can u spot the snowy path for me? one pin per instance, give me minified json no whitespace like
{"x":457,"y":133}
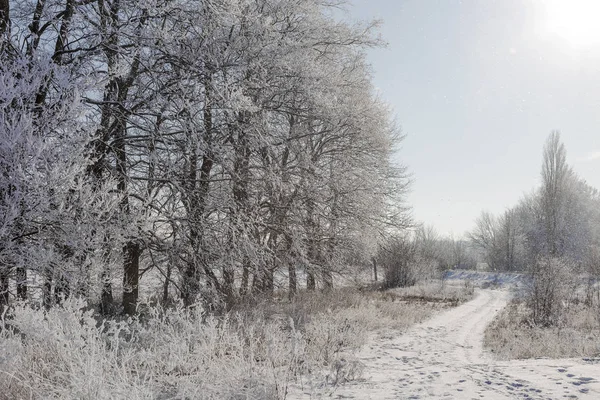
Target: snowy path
{"x":443,"y":358}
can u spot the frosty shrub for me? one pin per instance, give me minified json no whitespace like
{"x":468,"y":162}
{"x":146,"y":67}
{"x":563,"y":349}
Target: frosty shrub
{"x":173,"y":354}
{"x":398,"y":260}
{"x":410,"y":258}
{"x":68,"y":352}
{"x":550,"y":285}
{"x":512,"y":336}
{"x":331,"y":334}
{"x":405,"y":272}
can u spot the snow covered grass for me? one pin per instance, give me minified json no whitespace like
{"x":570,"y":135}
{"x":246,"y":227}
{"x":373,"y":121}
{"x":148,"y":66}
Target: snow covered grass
{"x":67,"y":354}
{"x":555,"y":313}
{"x":254,"y":352}
{"x":513,"y":335}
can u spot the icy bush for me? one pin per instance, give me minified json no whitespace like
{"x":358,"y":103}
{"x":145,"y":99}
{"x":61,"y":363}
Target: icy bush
{"x":330,"y":334}
{"x":512,"y":336}
{"x":66,"y":353}
{"x":173,"y":354}
{"x":551,"y":284}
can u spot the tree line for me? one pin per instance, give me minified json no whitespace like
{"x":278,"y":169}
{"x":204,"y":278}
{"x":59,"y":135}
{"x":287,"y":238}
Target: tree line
{"x":205,"y":146}
{"x":552,"y":233}
{"x":560,"y":219}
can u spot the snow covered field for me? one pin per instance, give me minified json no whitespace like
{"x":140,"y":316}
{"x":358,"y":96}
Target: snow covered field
{"x":443,"y":358}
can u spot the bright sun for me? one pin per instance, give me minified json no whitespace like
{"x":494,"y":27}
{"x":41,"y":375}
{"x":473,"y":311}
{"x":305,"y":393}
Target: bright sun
{"x":575,"y":21}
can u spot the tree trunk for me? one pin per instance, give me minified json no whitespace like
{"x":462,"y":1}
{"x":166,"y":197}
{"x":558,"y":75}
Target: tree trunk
{"x":165,"y":296}
{"x":62,"y":290}
{"x":4,"y":23}
{"x":228,"y":286}
{"x":310,"y":280}
{"x":245,"y":277}
{"x":4,"y":299}
{"x":374,"y":260}
{"x":239,"y":210}
{"x":34,"y":27}
{"x":327,"y":280}
{"x":132,"y":249}
{"x":269,"y":282}
{"x":83,"y":284}
{"x":263,"y":281}
{"x":61,"y":40}
{"x":197,"y":192}
{"x":132,"y":253}
{"x":47,"y":298}
{"x":292,"y":276}
{"x":311,"y":227}
{"x":21,"y":277}
{"x":255,"y":286}
{"x":191,"y":279}
{"x":191,"y":284}
{"x":106,"y":297}
{"x":292,"y":280}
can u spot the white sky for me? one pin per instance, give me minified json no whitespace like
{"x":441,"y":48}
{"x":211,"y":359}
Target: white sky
{"x":477,"y":86}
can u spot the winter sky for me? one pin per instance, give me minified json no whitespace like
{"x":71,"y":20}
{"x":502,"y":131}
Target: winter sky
{"x":477,"y":86}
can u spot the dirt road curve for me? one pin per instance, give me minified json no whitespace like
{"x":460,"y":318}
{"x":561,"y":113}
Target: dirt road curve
{"x":443,"y":358}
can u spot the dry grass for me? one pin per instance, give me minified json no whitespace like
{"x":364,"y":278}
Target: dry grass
{"x":513,"y":335}
{"x":255,"y":352}
{"x":454,"y":293}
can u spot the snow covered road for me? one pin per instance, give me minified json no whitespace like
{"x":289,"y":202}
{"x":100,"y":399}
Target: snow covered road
{"x":443,"y":358}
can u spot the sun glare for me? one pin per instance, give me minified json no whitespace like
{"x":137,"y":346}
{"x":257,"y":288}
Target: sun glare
{"x":575,"y":21}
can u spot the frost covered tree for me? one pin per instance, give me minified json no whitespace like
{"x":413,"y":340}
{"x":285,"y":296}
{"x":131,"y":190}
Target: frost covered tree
{"x":485,"y":238}
{"x":557,"y":178}
{"x":213,"y":146}
{"x":558,"y":219}
{"x":51,"y":215}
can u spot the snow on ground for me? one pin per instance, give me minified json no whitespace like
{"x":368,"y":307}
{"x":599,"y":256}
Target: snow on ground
{"x":443,"y":359}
